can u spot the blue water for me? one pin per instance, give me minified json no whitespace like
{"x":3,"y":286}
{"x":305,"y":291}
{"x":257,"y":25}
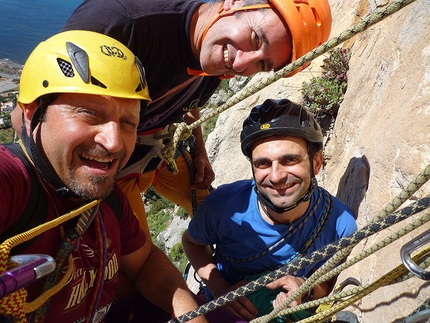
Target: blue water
{"x":25,"y":23}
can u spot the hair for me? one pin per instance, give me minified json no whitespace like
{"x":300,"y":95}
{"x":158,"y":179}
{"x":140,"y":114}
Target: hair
{"x":252,"y":2}
{"x":313,"y":148}
{"x":44,"y":102}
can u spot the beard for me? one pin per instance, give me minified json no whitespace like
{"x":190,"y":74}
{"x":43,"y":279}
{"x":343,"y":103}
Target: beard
{"x":95,"y":187}
{"x":88,"y":186}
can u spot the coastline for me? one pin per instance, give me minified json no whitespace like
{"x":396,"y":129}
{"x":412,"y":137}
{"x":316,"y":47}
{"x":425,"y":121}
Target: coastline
{"x":10,"y":73}
{"x":10,"y":69}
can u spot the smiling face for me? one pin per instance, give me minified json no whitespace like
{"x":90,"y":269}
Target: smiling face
{"x":87,"y":140}
{"x":282,"y":168}
{"x":245,"y":43}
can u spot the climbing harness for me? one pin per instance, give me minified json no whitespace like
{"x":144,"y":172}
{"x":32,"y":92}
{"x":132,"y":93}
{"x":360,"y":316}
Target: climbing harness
{"x":314,"y":234}
{"x":15,"y":303}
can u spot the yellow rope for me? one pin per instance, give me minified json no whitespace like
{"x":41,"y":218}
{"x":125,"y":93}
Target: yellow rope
{"x":15,"y":303}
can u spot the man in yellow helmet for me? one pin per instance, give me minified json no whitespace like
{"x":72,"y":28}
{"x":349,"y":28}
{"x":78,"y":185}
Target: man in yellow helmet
{"x":81,"y":93}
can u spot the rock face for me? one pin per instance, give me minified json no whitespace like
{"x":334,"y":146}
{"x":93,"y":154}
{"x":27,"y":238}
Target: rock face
{"x":380,"y":141}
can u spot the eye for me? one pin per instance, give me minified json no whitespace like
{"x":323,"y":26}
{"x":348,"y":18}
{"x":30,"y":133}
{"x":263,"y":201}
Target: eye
{"x":86,"y":113}
{"x":263,"y":65}
{"x":287,"y":161}
{"x":262,"y":164}
{"x":258,"y":44}
{"x":129,"y":126}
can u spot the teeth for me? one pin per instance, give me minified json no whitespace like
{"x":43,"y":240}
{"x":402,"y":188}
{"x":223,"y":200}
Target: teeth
{"x":226,"y":57}
{"x":97,"y":159}
{"x":283,"y":187}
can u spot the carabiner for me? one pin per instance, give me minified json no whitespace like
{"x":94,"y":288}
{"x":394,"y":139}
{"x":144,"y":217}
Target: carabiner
{"x":405,"y":254}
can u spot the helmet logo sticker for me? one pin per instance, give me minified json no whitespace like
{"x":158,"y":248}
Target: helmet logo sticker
{"x":265,"y":126}
{"x":112,"y":51}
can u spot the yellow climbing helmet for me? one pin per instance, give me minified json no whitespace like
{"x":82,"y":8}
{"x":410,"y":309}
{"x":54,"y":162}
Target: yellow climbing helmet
{"x":85,"y":62}
{"x":309,"y":22}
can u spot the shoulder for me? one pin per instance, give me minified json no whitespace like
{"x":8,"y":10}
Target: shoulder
{"x":242,"y":188}
{"x":12,"y":169}
{"x":343,"y":217}
{"x":15,"y":186}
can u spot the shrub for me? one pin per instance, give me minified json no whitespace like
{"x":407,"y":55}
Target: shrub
{"x":177,"y":256}
{"x":324,"y":94}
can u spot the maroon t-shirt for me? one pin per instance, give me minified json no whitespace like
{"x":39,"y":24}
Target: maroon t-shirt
{"x":123,"y":236}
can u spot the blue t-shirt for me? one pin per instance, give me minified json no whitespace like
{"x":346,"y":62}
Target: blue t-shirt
{"x":246,"y":244}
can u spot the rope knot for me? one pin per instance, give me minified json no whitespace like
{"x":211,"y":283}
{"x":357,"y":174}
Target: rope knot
{"x":177,"y":132}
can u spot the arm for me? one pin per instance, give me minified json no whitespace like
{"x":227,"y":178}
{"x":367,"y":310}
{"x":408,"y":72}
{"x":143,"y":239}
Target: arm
{"x":204,"y":175}
{"x":200,"y":257}
{"x":159,"y":281}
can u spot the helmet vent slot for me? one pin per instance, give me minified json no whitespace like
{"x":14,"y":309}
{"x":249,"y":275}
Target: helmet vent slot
{"x":96,"y":82}
{"x":139,"y":88}
{"x":65,"y":67}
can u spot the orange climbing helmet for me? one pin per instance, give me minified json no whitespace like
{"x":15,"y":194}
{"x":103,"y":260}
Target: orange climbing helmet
{"x":309,"y":22}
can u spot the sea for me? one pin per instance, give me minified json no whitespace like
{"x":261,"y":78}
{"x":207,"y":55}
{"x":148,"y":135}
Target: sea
{"x":25,"y":23}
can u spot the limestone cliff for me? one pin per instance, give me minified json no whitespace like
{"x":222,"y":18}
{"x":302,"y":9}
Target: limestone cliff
{"x":380,"y":142}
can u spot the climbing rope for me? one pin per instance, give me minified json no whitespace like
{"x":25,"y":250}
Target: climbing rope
{"x":418,"y":314}
{"x":339,"y":249}
{"x":181,"y":131}
{"x":318,"y":277}
{"x":15,"y":303}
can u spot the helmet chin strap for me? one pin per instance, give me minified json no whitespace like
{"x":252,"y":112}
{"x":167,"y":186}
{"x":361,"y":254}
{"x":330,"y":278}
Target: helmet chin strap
{"x":267,"y":203}
{"x":42,"y":165}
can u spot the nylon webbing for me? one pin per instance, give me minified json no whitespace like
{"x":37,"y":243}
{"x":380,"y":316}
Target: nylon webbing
{"x":63,"y":254}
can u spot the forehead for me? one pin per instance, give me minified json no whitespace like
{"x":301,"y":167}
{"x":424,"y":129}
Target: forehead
{"x":271,"y":147}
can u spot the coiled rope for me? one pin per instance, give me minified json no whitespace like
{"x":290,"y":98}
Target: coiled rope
{"x":386,"y":218}
{"x":15,"y":303}
{"x":181,"y":131}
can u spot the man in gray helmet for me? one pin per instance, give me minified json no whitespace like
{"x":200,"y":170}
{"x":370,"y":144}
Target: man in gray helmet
{"x":260,"y":224}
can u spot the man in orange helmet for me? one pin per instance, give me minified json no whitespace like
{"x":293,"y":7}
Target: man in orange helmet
{"x":187,"y":47}
{"x":178,"y":42}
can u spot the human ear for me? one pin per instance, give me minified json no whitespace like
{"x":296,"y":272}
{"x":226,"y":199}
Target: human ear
{"x":318,"y":161}
{"x":229,"y":4}
{"x":29,"y":110}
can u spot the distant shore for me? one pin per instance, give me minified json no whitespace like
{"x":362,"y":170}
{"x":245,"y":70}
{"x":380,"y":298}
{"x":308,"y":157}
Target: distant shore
{"x":10,"y":68}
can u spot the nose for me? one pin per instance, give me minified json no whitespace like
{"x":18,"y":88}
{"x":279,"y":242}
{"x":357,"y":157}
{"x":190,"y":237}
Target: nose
{"x":109,"y":136}
{"x":246,"y":63}
{"x":278,"y":172}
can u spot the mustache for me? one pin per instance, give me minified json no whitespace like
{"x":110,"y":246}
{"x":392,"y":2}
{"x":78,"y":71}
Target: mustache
{"x":290,"y":181}
{"x":100,"y":151}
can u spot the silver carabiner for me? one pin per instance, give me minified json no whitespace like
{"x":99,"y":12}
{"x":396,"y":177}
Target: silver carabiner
{"x":405,"y":254}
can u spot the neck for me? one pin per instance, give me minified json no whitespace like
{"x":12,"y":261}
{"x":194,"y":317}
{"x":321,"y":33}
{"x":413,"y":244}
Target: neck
{"x":201,"y":19}
{"x":287,"y":218}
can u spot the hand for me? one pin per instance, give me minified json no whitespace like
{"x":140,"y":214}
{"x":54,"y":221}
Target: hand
{"x":290,"y":284}
{"x":241,"y":306}
{"x":204,"y":174}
